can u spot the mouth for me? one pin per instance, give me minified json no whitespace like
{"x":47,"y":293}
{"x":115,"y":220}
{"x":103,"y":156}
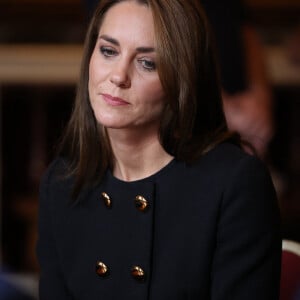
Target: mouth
{"x":114,"y":101}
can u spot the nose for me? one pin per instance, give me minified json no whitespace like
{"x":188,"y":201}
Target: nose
{"x":120,"y":74}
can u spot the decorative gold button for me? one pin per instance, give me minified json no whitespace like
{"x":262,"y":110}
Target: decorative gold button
{"x":141,"y":203}
{"x":106,"y":199}
{"x":138,"y":273}
{"x":101,"y":269}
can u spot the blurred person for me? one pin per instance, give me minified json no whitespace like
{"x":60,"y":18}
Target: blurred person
{"x":293,"y":46}
{"x":151,"y":197}
{"x":247,"y":95}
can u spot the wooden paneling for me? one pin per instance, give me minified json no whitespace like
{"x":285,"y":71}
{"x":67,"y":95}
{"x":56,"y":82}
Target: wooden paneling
{"x":39,"y":64}
{"x":59,"y":64}
{"x":38,"y":2}
{"x":273,"y":3}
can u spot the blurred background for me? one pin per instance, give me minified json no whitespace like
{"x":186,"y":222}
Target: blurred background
{"x":40,"y":52}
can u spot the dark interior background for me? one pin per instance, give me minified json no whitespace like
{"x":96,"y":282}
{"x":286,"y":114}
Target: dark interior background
{"x":33,"y":114}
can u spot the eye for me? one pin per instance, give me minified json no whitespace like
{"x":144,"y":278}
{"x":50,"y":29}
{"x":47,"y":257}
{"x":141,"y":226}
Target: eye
{"x":107,"y":51}
{"x":147,"y":64}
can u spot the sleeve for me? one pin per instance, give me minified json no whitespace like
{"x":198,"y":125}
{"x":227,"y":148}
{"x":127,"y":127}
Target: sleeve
{"x":247,"y":258}
{"x":52,"y":284}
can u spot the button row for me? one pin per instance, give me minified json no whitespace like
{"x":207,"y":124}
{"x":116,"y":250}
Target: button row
{"x":140,"y":202}
{"x":136,"y":272}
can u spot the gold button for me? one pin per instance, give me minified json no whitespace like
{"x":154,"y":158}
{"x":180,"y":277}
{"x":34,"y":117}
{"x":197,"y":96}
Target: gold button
{"x":138,"y":273}
{"x":106,"y":199}
{"x":141,"y":203}
{"x":101,"y":269}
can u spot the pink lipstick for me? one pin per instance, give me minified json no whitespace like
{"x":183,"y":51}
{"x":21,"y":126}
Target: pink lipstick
{"x":114,"y":101}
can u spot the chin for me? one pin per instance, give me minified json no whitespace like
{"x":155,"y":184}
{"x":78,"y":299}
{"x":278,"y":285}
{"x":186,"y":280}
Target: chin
{"x":113,"y":124}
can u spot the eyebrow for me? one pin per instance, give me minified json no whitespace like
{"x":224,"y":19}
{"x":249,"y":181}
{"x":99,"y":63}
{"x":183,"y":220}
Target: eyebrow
{"x":116,"y":43}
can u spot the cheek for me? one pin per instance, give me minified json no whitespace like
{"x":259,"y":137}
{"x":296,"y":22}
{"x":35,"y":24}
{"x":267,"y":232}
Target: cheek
{"x":92,"y":72}
{"x":92,"y":84}
{"x":150,"y":87}
{"x":155,"y":91}
{"x":95,"y":69}
{"x":91,"y":79}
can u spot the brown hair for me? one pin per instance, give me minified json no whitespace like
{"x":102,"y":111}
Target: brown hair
{"x":193,"y":120}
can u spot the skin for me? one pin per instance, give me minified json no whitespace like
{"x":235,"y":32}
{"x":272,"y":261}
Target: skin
{"x":125,"y":90}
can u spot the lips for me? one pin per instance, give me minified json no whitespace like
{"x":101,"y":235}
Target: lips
{"x":114,"y":101}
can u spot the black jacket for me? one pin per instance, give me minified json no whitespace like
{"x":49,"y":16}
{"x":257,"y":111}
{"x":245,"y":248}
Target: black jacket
{"x":210,"y":231}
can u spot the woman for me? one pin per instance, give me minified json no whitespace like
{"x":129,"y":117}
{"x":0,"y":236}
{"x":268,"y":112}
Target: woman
{"x":149,"y":199}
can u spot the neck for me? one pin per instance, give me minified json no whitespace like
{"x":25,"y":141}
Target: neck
{"x":137,"y":156}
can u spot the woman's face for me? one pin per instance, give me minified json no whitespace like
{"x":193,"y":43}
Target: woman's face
{"x":124,"y":87}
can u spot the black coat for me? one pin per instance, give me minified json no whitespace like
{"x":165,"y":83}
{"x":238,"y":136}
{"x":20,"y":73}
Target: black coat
{"x":210,"y":231}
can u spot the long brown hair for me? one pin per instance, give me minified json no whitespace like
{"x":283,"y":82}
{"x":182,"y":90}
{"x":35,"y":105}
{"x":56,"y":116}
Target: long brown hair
{"x":193,"y":120}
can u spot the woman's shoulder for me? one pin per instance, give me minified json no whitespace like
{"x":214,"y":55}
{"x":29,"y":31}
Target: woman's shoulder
{"x":229,"y":164}
{"x":238,"y":171}
{"x":227,"y":156}
{"x":56,"y":176}
{"x":227,"y":151}
{"x":57,"y":167}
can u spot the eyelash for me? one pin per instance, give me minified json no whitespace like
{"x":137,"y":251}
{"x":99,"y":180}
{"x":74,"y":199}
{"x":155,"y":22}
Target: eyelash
{"x":107,"y":51}
{"x":147,"y":65}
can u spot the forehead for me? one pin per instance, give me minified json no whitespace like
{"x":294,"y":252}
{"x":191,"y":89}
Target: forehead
{"x":129,"y":20}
